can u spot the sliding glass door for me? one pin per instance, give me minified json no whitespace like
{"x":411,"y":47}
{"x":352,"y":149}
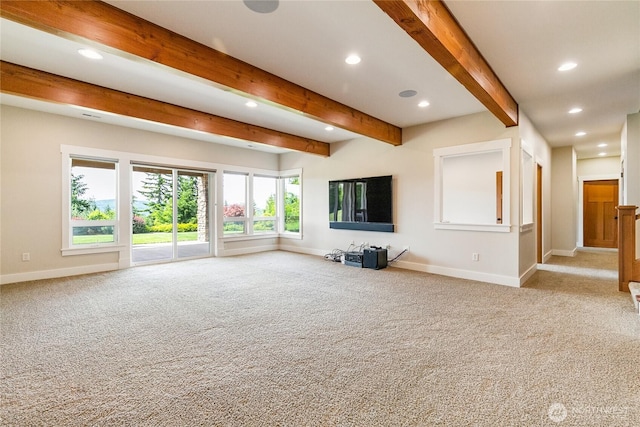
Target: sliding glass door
{"x":170,"y":214}
{"x":193,"y":214}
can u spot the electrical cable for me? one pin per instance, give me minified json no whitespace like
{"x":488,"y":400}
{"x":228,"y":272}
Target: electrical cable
{"x":397,"y":256}
{"x":335,"y":255}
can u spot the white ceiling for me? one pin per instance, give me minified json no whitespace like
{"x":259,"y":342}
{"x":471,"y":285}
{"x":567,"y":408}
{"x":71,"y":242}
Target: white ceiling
{"x":306,"y":41}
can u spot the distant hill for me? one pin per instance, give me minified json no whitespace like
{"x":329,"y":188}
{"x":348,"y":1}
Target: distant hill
{"x":139,"y":205}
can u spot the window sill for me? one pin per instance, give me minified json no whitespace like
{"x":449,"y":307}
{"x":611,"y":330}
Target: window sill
{"x":496,"y":228}
{"x":526,"y":227}
{"x":261,"y":236}
{"x":250,"y":237}
{"x":294,"y":236}
{"x":91,"y":249}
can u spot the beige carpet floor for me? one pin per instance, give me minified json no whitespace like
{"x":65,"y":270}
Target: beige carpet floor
{"x":282,"y":339}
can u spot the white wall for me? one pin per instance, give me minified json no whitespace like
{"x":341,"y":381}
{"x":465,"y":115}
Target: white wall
{"x":542,"y":157}
{"x":630,"y":140}
{"x":631,"y":150}
{"x":412,"y":167}
{"x":599,"y":166}
{"x":31,"y":178}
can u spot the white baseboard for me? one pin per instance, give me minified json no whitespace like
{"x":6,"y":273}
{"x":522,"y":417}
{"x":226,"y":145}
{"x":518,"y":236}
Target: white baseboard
{"x":443,"y":271}
{"x":461,"y":274}
{"x":249,"y":250}
{"x":594,"y":249}
{"x":306,"y":251}
{"x":546,"y":256}
{"x":562,"y":252}
{"x":527,"y":274}
{"x":53,"y":274}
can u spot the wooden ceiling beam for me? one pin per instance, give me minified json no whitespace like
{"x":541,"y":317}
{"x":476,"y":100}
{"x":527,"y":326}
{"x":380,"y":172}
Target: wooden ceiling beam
{"x":109,"y":26}
{"x":27,"y":82}
{"x":436,"y":30}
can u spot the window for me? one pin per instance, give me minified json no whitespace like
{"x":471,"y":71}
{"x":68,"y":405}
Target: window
{"x":264,"y":204}
{"x":259,"y":204}
{"x":235,"y":202}
{"x":93,"y":203}
{"x":292,"y":192}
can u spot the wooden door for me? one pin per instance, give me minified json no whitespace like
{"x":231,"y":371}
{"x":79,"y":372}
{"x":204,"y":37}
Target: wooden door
{"x":600,"y":227}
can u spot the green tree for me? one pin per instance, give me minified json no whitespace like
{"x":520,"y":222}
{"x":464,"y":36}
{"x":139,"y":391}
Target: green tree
{"x":80,"y":207}
{"x":187,"y":199}
{"x":157,"y":188}
{"x":270,"y":208}
{"x":292,"y":212}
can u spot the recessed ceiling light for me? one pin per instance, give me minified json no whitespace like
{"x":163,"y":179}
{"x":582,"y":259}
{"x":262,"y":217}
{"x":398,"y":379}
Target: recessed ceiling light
{"x":88,"y":53}
{"x":251,"y":104}
{"x":567,"y":66}
{"x":352,"y":59}
{"x":262,"y":6}
{"x":575,"y":110}
{"x":423,"y":104}
{"x":407,"y":93}
{"x":329,"y":128}
{"x":602,"y":144}
{"x":602,"y":154}
{"x":581,"y":133}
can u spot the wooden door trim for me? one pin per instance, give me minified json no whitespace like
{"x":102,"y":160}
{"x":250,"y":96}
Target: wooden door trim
{"x":539,"y":247}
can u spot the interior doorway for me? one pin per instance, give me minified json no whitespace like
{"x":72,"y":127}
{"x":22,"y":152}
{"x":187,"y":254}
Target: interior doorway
{"x":600,"y":198}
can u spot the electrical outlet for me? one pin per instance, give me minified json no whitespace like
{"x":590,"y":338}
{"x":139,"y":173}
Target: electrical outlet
{"x":26,"y":256}
{"x":475,"y":256}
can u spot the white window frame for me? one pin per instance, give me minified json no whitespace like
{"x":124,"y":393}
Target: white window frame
{"x":248,"y":212}
{"x":68,"y":153}
{"x":284,"y":175}
{"x":122,"y":229}
{"x":249,"y":218}
{"x":440,"y":154}
{"x":278,"y":201}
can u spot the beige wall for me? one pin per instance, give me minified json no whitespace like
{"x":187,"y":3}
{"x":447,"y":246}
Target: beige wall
{"x":599,"y":166}
{"x":412,"y":167}
{"x":31,"y":178}
{"x":31,"y":193}
{"x":564,"y":201}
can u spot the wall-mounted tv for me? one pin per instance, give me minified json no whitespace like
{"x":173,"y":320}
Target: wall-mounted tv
{"x":361,"y":204}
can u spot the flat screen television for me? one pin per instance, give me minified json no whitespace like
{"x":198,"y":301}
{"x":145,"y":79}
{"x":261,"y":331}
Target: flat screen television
{"x":361,"y":204}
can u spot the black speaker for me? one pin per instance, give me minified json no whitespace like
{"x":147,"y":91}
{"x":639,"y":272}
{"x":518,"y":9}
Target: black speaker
{"x":374,"y":258}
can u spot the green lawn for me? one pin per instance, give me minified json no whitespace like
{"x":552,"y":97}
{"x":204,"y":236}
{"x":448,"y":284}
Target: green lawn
{"x":146,"y":238}
{"x":138,"y":239}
